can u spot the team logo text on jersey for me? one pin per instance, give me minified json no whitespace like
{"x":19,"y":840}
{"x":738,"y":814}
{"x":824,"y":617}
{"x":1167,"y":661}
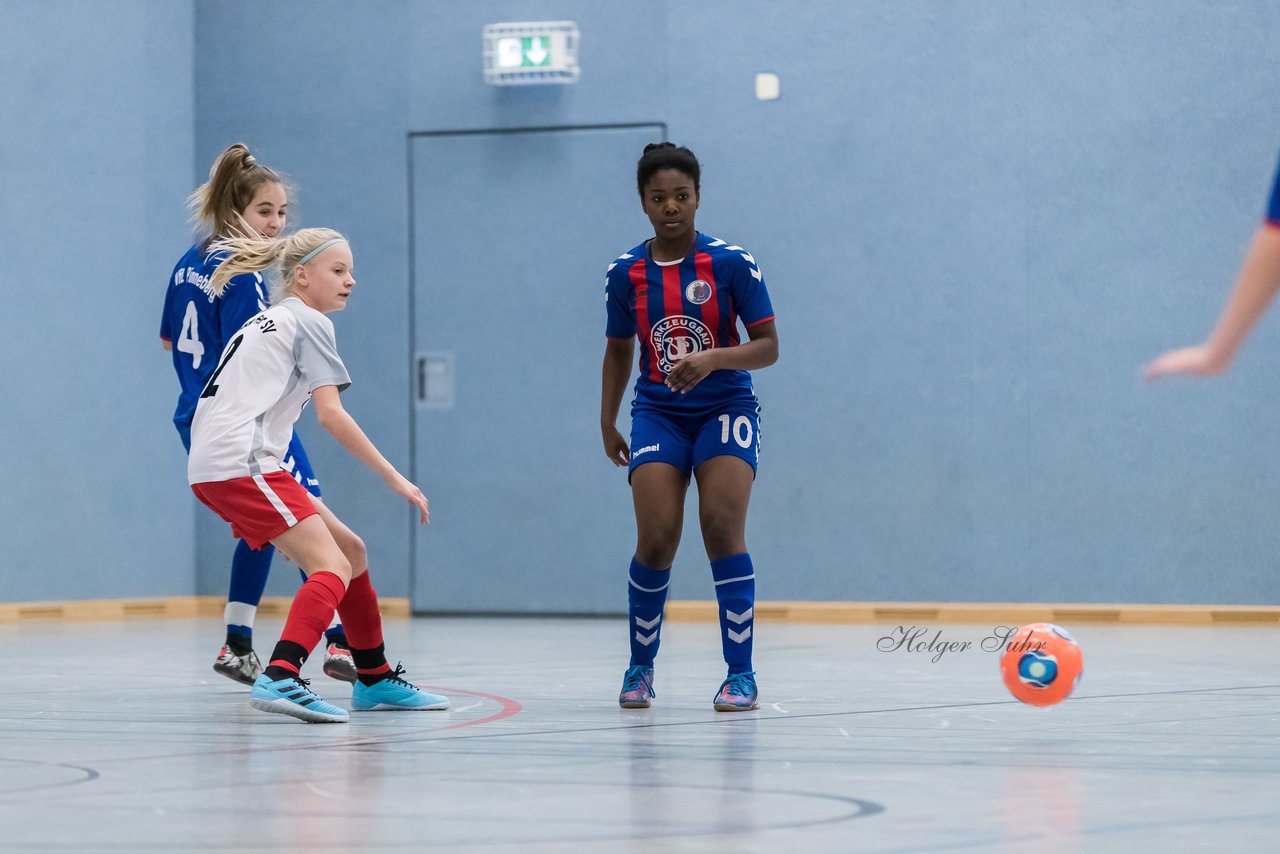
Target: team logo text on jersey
{"x":698,"y":292}
{"x":193,"y":277}
{"x":678,"y":336}
{"x":265,"y":324}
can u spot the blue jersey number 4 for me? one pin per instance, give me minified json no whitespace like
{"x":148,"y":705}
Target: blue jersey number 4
{"x":189,"y":336}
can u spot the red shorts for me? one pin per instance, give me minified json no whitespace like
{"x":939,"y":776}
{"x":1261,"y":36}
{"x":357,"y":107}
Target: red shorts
{"x":259,"y":508}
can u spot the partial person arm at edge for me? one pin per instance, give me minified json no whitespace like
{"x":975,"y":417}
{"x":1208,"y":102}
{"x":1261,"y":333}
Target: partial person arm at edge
{"x":339,"y":423}
{"x":1255,"y":288}
{"x":616,"y":371}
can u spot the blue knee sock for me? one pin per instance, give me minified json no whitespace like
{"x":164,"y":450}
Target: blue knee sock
{"x":249,"y":569}
{"x":646,"y":596}
{"x":735,"y":580}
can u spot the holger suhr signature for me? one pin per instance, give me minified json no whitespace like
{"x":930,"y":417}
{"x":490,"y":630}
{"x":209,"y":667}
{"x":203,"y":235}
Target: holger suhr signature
{"x":917,"y":639}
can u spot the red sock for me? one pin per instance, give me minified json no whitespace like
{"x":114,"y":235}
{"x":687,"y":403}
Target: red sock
{"x":309,"y":615}
{"x":363,"y":625}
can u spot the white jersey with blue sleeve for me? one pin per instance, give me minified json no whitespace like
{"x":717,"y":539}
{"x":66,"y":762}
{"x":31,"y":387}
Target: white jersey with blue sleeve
{"x":197,"y":324}
{"x":245,"y":415}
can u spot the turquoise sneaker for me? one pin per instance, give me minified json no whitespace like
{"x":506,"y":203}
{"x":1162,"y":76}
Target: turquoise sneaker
{"x":394,"y":693}
{"x":737,"y":693}
{"x":637,"y":687}
{"x":292,"y":697}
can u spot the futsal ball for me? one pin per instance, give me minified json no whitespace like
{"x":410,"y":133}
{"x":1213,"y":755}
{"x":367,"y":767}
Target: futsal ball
{"x":1041,"y":664}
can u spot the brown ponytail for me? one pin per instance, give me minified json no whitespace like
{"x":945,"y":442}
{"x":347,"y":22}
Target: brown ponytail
{"x":234,"y":178}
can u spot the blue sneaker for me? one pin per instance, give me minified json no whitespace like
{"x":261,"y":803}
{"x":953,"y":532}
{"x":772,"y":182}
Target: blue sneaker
{"x":737,"y":693}
{"x":394,"y":693}
{"x":292,"y":697}
{"x":637,"y":687}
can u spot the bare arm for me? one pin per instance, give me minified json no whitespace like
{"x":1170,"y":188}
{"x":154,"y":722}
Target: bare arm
{"x":1256,"y":286}
{"x":167,"y":345}
{"x":613,"y":385}
{"x":760,"y":352}
{"x":343,"y":427}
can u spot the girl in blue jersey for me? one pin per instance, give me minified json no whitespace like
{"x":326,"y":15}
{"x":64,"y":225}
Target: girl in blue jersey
{"x":1255,"y":288}
{"x":241,"y":197}
{"x":681,"y":295}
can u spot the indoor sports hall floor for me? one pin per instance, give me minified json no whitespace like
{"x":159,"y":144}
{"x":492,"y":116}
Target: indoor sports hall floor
{"x":118,"y":736}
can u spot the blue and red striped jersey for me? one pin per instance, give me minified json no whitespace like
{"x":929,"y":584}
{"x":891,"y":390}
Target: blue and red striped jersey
{"x":684,"y":307}
{"x":1273,"y":205}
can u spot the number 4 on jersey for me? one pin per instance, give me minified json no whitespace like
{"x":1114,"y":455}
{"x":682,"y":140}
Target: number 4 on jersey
{"x":189,"y":336}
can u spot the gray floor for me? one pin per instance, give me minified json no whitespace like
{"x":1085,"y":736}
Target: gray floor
{"x":118,"y":736}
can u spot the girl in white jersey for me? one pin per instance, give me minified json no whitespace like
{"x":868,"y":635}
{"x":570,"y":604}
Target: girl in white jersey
{"x":242,"y":196}
{"x":283,"y":357}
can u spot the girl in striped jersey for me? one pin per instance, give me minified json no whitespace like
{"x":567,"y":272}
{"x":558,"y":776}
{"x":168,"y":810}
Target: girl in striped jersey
{"x":279,"y":360}
{"x":681,"y":294}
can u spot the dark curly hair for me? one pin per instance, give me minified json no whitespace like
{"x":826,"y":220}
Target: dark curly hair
{"x":667,"y":155}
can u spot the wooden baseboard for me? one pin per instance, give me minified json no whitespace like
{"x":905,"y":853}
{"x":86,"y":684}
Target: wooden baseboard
{"x":167,"y":607}
{"x":992,"y":613}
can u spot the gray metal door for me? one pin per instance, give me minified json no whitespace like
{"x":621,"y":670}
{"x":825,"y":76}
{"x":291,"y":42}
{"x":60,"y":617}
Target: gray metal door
{"x":512,"y":232}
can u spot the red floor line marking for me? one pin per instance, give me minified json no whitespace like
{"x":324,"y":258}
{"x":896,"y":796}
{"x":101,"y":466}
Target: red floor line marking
{"x":509,"y":707}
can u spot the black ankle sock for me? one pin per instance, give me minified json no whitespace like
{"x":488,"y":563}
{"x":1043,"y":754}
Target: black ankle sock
{"x":239,"y":644}
{"x":371,"y":665}
{"x":368,"y":660}
{"x":286,"y":652}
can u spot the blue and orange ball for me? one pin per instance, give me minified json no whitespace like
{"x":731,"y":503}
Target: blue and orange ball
{"x":1041,"y":664}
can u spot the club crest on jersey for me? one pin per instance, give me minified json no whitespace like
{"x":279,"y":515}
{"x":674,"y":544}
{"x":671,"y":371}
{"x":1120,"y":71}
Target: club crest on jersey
{"x":698,"y":292}
{"x":678,"y":336}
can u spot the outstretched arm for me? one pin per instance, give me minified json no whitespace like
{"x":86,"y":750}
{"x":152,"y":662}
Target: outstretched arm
{"x":1255,"y":287}
{"x":343,"y":427}
{"x":613,"y":385}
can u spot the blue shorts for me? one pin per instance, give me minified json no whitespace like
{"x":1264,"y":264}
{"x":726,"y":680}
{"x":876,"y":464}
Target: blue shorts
{"x":295,"y":460}
{"x":686,"y":441}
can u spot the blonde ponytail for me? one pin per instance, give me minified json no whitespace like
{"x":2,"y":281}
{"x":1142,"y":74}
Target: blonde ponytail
{"x":253,"y":255}
{"x":244,"y":255}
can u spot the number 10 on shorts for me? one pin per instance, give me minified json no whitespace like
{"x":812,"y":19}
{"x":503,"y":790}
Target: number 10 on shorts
{"x":740,"y":430}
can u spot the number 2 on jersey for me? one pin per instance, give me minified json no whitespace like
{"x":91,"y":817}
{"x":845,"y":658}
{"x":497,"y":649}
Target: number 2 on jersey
{"x":211,"y":387}
{"x":741,"y":431}
{"x":189,"y":336}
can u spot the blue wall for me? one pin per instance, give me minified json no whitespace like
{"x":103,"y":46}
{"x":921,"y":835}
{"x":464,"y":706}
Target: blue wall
{"x":977,"y":221}
{"x":96,"y":143}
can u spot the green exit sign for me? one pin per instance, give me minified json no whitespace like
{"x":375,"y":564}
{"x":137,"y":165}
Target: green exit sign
{"x":531,"y":52}
{"x":524,"y":52}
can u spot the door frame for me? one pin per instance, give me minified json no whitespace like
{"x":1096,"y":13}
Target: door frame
{"x":412,"y":354}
